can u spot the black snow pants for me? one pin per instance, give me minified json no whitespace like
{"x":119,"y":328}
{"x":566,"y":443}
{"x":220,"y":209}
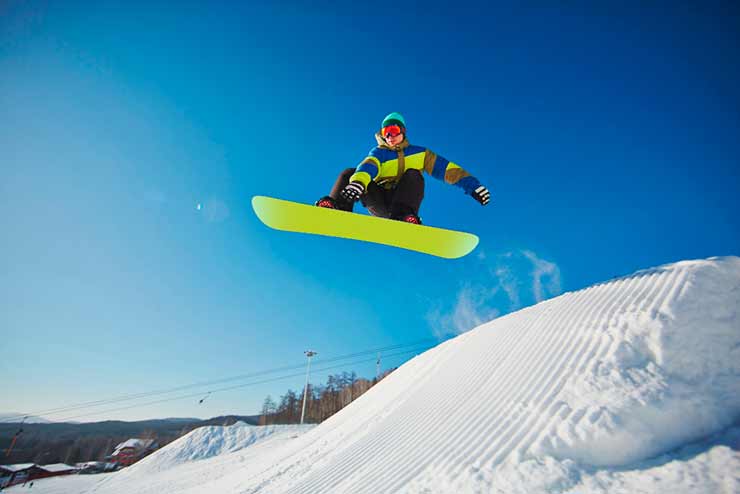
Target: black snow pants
{"x":403,"y":198}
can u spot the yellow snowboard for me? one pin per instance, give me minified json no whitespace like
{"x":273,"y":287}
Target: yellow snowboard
{"x":302,"y":218}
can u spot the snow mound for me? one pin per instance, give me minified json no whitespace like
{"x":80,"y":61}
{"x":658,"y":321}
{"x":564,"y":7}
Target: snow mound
{"x":203,"y":457}
{"x":203,"y":443}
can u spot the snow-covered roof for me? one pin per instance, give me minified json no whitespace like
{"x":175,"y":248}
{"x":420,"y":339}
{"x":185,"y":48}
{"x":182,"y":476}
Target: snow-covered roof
{"x":137,"y":444}
{"x":57,"y":467}
{"x":18,"y":467}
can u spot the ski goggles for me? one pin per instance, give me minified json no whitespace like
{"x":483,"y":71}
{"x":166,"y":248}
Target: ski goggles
{"x":391,"y":131}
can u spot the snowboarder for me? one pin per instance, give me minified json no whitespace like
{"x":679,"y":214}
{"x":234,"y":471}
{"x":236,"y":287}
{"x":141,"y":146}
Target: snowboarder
{"x":389,"y":181}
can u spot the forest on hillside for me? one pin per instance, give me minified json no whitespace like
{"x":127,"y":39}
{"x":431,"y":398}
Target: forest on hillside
{"x":322,"y":401}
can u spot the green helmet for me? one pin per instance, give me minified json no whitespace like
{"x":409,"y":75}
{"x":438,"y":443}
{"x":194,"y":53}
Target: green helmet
{"x":394,"y":118}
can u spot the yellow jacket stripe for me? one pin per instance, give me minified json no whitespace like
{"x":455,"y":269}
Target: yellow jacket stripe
{"x":385,"y":166}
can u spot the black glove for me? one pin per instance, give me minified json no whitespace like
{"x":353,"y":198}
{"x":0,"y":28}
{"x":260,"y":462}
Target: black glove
{"x":482,"y":195}
{"x":353,"y":191}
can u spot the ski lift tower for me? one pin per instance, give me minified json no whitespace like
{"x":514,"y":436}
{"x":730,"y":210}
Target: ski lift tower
{"x":309,"y":354}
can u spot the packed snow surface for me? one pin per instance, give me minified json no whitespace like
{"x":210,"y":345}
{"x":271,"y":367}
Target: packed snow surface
{"x":631,"y":385}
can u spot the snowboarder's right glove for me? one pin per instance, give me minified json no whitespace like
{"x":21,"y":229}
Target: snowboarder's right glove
{"x":482,"y":195}
{"x":353,"y":192}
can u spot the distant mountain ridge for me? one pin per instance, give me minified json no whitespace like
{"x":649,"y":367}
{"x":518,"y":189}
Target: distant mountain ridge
{"x":16,"y":418}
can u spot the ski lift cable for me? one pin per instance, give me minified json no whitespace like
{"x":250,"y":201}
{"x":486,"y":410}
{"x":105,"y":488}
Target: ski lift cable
{"x":79,"y":406}
{"x":136,"y":396}
{"x":231,"y":388}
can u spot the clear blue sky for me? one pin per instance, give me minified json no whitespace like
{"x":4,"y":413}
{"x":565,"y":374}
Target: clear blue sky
{"x":608,"y":135}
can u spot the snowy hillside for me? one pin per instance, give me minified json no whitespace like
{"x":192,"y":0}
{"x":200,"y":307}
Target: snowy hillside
{"x":632,"y":385}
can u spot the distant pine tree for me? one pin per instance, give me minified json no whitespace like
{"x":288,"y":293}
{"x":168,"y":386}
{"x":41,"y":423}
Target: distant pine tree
{"x":269,"y":408}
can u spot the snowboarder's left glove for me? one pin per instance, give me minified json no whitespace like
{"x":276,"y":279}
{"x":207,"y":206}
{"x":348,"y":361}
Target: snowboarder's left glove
{"x":482,"y":195}
{"x":353,"y":192}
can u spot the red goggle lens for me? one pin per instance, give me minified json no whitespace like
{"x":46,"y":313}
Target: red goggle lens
{"x":391,"y":131}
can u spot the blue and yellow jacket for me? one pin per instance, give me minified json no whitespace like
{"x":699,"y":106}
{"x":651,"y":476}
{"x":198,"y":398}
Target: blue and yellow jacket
{"x":385,"y":166}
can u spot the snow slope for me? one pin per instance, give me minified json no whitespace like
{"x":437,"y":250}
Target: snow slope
{"x":632,"y":385}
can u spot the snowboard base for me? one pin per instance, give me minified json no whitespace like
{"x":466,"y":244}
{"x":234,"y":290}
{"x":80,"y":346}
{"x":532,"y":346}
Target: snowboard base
{"x":303,"y":218}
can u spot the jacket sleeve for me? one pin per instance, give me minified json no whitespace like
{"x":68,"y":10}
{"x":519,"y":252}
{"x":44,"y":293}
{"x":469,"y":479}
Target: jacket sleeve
{"x":451,"y":173}
{"x":368,"y":169}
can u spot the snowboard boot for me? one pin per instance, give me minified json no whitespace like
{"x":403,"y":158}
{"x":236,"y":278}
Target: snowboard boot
{"x":327,"y":202}
{"x":330,"y":203}
{"x":409,"y":218}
